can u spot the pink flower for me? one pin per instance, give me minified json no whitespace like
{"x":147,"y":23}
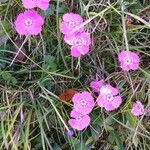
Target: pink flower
{"x":70,"y":22}
{"x":96,"y":85}
{"x":80,"y":43}
{"x":42,"y":4}
{"x":83,"y":102}
{"x":109,"y":98}
{"x":137,"y":109}
{"x":128,"y":60}
{"x":79,"y":121}
{"x":29,"y":22}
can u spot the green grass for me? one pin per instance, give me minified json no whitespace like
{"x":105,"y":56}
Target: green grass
{"x":31,"y":114}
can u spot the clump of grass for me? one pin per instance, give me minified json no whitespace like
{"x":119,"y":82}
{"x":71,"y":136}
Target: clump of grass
{"x":31,"y":114}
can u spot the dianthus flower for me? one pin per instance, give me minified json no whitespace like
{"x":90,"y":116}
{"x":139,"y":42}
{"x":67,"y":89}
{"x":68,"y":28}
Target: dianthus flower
{"x":96,"y":85}
{"x":83,"y":102}
{"x":137,"y":109}
{"x":29,"y":22}
{"x":78,"y":121}
{"x":80,"y":43}
{"x":42,"y":4}
{"x":109,"y":98}
{"x":69,"y":22}
{"x":128,"y":60}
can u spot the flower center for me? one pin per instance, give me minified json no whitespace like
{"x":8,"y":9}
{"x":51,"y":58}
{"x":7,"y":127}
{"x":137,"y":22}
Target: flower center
{"x":139,"y":108}
{"x":83,"y":102}
{"x":79,"y":42}
{"x":128,"y":60}
{"x":28,"y":22}
{"x":72,"y":24}
{"x":79,"y":119}
{"x":109,"y":98}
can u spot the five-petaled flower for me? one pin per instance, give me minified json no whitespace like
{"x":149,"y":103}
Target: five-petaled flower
{"x":137,"y":109}
{"x":109,"y":98}
{"x":42,"y":4}
{"x":29,"y":23}
{"x":83,"y":102}
{"x":70,"y":21}
{"x":79,"y":42}
{"x":78,"y":121}
{"x":128,"y":60}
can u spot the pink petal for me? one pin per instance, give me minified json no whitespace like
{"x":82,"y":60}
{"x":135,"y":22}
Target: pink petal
{"x":86,"y":37}
{"x":43,"y":5}
{"x":83,"y":49}
{"x":35,"y":30}
{"x":64,"y":28}
{"x":69,"y":38}
{"x":75,"y":114}
{"x":21,"y":29}
{"x":28,"y":4}
{"x":108,"y":89}
{"x":114,"y":91}
{"x":124,"y":67}
{"x":96,"y":85}
{"x":134,"y":66}
{"x":76,"y":97}
{"x":85,"y":122}
{"x":72,"y":17}
{"x":39,"y":20}
{"x":117,"y":101}
{"x":101,"y":100}
{"x":46,"y":1}
{"x":109,"y":107}
{"x":135,"y":57}
{"x":122,"y":55}
{"x":75,"y":52}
